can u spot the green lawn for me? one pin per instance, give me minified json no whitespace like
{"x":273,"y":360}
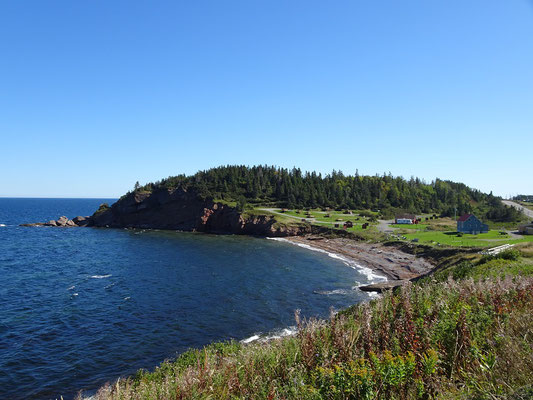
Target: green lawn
{"x":450,"y":238}
{"x":335,"y":217}
{"x":411,"y":226}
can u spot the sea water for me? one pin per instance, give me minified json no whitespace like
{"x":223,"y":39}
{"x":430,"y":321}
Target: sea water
{"x":83,"y":306}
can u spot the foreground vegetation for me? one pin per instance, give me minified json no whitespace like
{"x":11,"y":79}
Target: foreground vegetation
{"x":465,"y":332}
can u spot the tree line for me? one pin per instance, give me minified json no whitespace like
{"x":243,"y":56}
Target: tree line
{"x":292,"y":188}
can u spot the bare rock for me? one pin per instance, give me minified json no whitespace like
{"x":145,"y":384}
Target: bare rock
{"x":62,"y":221}
{"x":382,"y":286}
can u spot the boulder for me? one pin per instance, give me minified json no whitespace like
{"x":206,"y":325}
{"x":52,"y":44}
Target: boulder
{"x":80,"y":221}
{"x":51,"y":223}
{"x":70,"y":223}
{"x":62,"y":221}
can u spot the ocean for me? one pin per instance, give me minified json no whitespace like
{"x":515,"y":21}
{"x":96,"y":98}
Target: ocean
{"x":80,"y":307}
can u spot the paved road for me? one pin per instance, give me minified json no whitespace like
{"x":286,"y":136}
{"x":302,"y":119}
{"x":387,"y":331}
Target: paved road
{"x":525,"y":210}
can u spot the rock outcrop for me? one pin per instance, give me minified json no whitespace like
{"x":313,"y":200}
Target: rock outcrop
{"x":62,"y":222}
{"x":180,"y":210}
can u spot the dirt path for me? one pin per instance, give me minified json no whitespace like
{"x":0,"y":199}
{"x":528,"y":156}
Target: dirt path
{"x":384,"y":227}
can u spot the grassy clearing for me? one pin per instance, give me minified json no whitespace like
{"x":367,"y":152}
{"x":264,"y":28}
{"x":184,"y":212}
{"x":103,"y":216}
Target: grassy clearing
{"x":412,"y":226}
{"x":489,"y":239}
{"x":330,"y":218}
{"x":517,"y":261}
{"x":449,"y":340}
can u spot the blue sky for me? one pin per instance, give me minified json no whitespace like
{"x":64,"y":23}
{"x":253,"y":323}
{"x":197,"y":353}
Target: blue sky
{"x":97,"y":95}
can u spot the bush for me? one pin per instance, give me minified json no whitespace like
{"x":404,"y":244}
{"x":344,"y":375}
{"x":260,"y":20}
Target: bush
{"x":511,"y":254}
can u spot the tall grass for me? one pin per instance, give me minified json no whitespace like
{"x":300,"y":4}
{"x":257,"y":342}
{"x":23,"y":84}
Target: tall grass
{"x":468,"y":339}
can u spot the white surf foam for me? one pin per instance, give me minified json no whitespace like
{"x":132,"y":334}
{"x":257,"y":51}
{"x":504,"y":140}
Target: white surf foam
{"x":2,"y":225}
{"x":250,"y":339}
{"x":331,"y":292}
{"x":72,"y":287}
{"x":371,"y":275}
{"x":100,"y":276}
{"x":277,"y":334}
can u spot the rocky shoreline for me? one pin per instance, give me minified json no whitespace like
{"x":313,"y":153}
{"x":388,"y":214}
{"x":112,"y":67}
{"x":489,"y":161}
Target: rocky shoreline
{"x":180,"y":210}
{"x":63,"y":222}
{"x":398,"y":267}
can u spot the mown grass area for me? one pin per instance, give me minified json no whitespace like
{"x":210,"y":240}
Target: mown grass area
{"x":452,"y":238}
{"x":410,"y":226}
{"x":450,"y":340}
{"x":330,"y":218}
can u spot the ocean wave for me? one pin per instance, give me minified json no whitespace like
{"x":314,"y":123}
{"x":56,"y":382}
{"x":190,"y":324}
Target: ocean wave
{"x":100,"y":276}
{"x":371,"y":275}
{"x":276,"y":334}
{"x":2,"y":225}
{"x":72,"y":287}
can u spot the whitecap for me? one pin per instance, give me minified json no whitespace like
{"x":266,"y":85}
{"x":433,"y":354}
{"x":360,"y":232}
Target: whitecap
{"x":127,"y":298}
{"x":100,"y":276}
{"x":72,"y":287}
{"x":2,"y":225}
{"x":74,"y":294}
{"x":109,"y":286}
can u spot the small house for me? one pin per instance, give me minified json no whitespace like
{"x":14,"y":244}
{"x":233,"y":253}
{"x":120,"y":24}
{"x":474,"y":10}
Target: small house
{"x":348,"y":224}
{"x":469,"y":223}
{"x":405,"y":219}
{"x":526,"y":229}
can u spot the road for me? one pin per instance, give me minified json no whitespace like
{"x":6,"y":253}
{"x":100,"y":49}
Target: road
{"x":524,"y":210}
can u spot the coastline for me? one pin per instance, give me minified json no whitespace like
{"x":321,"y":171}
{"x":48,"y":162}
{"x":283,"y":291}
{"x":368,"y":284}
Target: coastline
{"x":387,"y":267}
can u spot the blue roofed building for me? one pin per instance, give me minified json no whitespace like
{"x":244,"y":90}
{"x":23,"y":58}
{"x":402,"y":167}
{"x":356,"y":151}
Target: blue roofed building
{"x":469,"y":223}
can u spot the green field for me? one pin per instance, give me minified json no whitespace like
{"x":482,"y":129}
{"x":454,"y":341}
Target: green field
{"x":412,"y":226}
{"x":450,"y":238}
{"x":330,"y":218}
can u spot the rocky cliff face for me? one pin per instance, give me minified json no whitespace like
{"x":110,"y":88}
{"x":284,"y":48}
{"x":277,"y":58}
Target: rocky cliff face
{"x":181,"y":210}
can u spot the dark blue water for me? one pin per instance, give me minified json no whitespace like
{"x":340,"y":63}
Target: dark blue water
{"x":83,"y":306}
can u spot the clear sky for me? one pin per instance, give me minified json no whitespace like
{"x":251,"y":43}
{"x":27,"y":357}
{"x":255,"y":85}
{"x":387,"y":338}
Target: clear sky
{"x":95,"y":95}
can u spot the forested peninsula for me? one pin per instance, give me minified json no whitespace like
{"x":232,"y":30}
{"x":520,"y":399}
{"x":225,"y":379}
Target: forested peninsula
{"x":243,"y":200}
